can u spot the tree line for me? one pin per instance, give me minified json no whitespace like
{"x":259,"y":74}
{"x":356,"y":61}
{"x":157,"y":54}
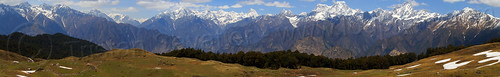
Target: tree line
{"x":48,"y":46}
{"x":293,"y":59}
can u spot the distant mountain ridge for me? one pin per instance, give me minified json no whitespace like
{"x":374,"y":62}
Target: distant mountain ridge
{"x":333,"y":31}
{"x":48,"y":19}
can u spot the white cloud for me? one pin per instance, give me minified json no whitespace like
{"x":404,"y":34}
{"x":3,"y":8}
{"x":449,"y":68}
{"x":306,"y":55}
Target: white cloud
{"x":129,"y":9}
{"x":279,"y":4}
{"x":453,"y":1}
{"x":253,"y":2}
{"x":224,"y":7}
{"x":12,"y":2}
{"x":97,"y":3}
{"x":494,"y":3}
{"x":86,"y":3}
{"x":423,"y":4}
{"x":413,"y":3}
{"x":236,"y":6}
{"x":155,"y":4}
{"x":196,"y":1}
{"x":261,"y":2}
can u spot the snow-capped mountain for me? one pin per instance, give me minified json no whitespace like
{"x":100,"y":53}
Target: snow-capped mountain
{"x":219,"y":17}
{"x":120,"y":18}
{"x":323,"y":11}
{"x":98,"y":13}
{"x":402,"y":13}
{"x":50,"y":19}
{"x":341,"y":31}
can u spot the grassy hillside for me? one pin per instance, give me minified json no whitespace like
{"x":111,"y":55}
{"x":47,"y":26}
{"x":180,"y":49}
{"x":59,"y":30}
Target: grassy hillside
{"x":137,"y":62}
{"x":9,"y":56}
{"x":429,"y":67}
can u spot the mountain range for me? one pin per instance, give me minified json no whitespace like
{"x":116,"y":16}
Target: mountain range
{"x":335,"y":31}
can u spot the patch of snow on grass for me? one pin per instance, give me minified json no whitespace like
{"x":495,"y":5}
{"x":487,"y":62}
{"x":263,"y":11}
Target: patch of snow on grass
{"x":157,"y":68}
{"x":454,"y":65}
{"x":482,"y":53}
{"x":414,"y":66}
{"x":29,"y":72}
{"x":31,"y":60}
{"x":21,"y":76}
{"x":491,"y":55}
{"x":312,"y":75}
{"x":398,"y":69}
{"x":403,"y":74}
{"x":442,"y":61}
{"x":65,"y":67}
{"x":15,"y":61}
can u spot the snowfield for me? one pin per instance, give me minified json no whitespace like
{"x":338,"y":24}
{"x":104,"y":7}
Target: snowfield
{"x":404,"y":74}
{"x":491,"y":56}
{"x":29,"y":72}
{"x":63,"y":67}
{"x":414,"y":66}
{"x":442,"y":61}
{"x":454,"y":65}
{"x":398,"y":69}
{"x":21,"y":76}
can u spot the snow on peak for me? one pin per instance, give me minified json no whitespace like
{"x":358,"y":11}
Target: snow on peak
{"x":293,"y":19}
{"x":117,"y":17}
{"x":323,"y":11}
{"x":252,"y":12}
{"x":98,"y":13}
{"x":471,"y":14}
{"x":219,"y":17}
{"x":303,"y":14}
{"x":468,"y":9}
{"x":405,"y":11}
{"x":120,"y":18}
{"x":24,"y":4}
{"x":286,"y":12}
{"x":180,"y":12}
{"x":45,"y":9}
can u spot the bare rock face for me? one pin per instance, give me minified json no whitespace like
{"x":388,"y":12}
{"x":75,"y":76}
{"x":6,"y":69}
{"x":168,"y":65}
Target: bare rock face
{"x":395,"y":52}
{"x":313,"y":45}
{"x":316,"y":46}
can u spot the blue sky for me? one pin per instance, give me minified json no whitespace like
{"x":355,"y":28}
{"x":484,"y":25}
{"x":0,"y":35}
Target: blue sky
{"x":149,"y":8}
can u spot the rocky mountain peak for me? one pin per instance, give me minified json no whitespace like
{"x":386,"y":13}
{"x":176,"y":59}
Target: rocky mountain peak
{"x":120,"y":18}
{"x":323,"y":11}
{"x":24,"y":5}
{"x":98,"y":13}
{"x":285,"y":12}
{"x":252,"y":12}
